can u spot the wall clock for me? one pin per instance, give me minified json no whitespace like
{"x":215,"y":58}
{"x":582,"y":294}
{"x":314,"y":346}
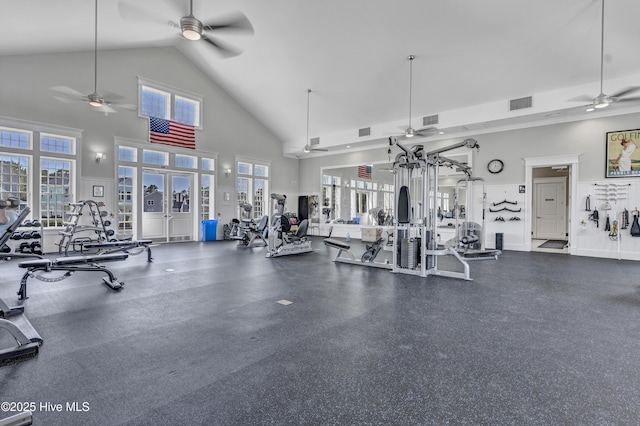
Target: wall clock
{"x":495,"y":166}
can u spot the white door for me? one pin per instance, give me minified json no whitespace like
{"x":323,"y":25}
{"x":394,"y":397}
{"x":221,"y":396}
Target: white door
{"x":180,"y":218}
{"x":550,"y":210}
{"x":166,"y":211}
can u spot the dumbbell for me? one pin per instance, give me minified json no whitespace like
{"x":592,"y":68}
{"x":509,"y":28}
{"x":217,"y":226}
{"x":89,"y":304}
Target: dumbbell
{"x":110,"y":232}
{"x":26,"y":224}
{"x":36,"y":248}
{"x":16,"y":236}
{"x":104,"y":213}
{"x":107,"y":223}
{"x":35,"y":234}
{"x":25,"y":247}
{"x":35,"y":223}
{"x":5,"y":249}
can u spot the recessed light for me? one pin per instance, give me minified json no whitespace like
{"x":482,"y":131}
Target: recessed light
{"x":553,"y":114}
{"x":441,"y":132}
{"x":348,"y":146}
{"x":590,"y":109}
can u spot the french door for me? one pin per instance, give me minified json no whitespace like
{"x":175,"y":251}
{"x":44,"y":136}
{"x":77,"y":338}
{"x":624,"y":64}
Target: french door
{"x":167,"y":213}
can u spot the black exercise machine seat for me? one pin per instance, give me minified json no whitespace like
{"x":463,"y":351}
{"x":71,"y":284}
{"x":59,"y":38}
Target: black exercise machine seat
{"x":330,"y":242}
{"x":72,"y":260}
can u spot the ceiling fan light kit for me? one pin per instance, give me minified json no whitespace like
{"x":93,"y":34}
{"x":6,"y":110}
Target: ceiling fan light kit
{"x":191,"y":27}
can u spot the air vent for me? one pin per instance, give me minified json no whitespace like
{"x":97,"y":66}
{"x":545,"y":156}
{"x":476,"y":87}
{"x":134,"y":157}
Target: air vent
{"x":314,"y":141}
{"x":364,"y":132}
{"x":515,"y":104}
{"x":430,"y":120}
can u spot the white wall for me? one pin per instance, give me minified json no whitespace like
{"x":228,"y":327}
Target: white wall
{"x":583,"y":138}
{"x":229,"y":130}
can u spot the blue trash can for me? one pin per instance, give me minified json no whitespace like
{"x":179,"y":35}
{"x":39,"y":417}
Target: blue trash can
{"x":209,"y":230}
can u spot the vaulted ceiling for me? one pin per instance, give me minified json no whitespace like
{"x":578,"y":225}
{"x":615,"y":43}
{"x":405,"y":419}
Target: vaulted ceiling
{"x":471,"y":58}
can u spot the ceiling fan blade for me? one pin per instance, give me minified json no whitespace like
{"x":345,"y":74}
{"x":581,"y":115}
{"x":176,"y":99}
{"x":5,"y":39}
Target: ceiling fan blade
{"x":581,"y":98}
{"x":626,"y":91}
{"x":236,"y":22}
{"x":427,"y":131}
{"x":632,"y":99}
{"x":69,"y":91}
{"x":65,"y":100}
{"x":104,"y":108}
{"x":225,"y":50}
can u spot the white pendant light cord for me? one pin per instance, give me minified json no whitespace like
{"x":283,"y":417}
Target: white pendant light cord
{"x":602,"y":50}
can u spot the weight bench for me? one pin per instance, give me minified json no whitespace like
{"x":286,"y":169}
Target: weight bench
{"x":27,"y":339}
{"x":70,"y":265}
{"x":123,"y":246}
{"x":341,"y":246}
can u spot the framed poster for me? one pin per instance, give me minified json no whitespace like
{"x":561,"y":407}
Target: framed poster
{"x":623,"y":157}
{"x":98,"y":191}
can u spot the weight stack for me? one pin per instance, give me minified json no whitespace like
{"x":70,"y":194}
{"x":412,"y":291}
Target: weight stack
{"x":409,"y":253}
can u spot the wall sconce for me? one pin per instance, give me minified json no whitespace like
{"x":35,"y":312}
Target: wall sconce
{"x":227,"y":172}
{"x":99,"y":157}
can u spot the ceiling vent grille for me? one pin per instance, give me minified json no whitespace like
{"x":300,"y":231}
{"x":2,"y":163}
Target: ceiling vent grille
{"x":314,"y":141}
{"x":521,"y":103}
{"x":430,"y":120}
{"x":364,"y":132}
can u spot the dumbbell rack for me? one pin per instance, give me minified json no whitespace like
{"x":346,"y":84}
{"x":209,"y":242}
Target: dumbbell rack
{"x":27,"y":238}
{"x":99,"y":226}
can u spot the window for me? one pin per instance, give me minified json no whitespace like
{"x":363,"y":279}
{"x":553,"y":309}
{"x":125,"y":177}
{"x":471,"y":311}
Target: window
{"x":126,"y":185}
{"x":206,"y":197}
{"x":55,"y":190}
{"x":331,"y":197}
{"x":56,"y":144}
{"x":186,"y":161}
{"x":253,"y":187}
{"x":14,"y":139}
{"x":155,"y":157}
{"x":154,"y":103}
{"x":127,"y":154}
{"x":208,"y":164}
{"x":162,"y":101}
{"x":14,"y":177}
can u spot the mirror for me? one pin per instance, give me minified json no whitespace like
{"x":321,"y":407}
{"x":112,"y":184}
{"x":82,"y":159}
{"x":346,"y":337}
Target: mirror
{"x":365,"y":194}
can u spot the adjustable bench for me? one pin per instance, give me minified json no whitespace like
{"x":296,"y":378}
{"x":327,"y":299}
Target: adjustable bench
{"x":341,"y":246}
{"x":70,"y":265}
{"x":125,"y":246}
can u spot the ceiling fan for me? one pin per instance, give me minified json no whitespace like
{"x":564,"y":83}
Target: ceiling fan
{"x":95,"y":99}
{"x":193,"y":29}
{"x":410,"y":131}
{"x":311,"y":143}
{"x":603,"y":100}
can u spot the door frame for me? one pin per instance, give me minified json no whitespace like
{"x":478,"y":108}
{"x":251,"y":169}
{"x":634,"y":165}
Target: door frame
{"x":571,"y":160}
{"x":168,"y":200}
{"x":545,"y":180}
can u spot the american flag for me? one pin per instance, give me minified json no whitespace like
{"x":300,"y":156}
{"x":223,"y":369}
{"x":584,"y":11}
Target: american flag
{"x":364,"y":172}
{"x":169,"y":132}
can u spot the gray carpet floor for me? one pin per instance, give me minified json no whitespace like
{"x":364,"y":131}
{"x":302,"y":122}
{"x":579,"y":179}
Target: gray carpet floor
{"x":198,"y":338}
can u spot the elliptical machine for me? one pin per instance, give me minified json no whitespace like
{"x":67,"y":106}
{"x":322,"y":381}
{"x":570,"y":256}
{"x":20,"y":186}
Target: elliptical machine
{"x":281,"y":242}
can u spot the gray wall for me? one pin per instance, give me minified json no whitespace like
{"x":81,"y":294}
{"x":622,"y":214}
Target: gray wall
{"x":25,"y":93}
